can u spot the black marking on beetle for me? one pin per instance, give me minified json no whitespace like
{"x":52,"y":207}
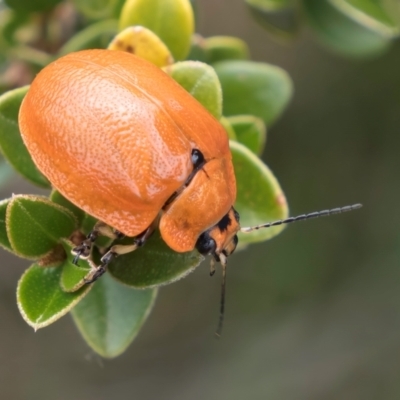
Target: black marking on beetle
{"x":199,"y":162}
{"x":197,"y":159}
{"x":224,"y":223}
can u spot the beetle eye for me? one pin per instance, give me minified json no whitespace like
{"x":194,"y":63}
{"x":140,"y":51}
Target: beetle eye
{"x":206,"y":244}
{"x":197,"y":158}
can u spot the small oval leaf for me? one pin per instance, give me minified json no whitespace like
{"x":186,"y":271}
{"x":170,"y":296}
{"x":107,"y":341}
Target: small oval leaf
{"x":11,"y":144}
{"x":259,"y":197}
{"x":143,"y":43}
{"x":220,"y":48}
{"x":35,"y":225}
{"x":4,"y":241}
{"x":250,"y":131}
{"x":111,"y":315}
{"x":341,"y":33}
{"x":201,"y":81}
{"x":41,"y":301}
{"x":171,"y":20}
{"x":254,"y":88}
{"x":153,"y":265}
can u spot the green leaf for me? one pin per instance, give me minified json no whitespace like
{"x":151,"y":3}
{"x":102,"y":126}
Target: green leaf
{"x":153,"y":265}
{"x":95,"y":36}
{"x":201,"y":81}
{"x":4,"y":242}
{"x":171,"y":20}
{"x":11,"y":144}
{"x":35,"y":225}
{"x":58,"y":198}
{"x":73,"y":277}
{"x":40,"y":298}
{"x":250,"y":131}
{"x":96,"y":9}
{"x":111,"y":315}
{"x":259,"y":197}
{"x":341,"y":33}
{"x":32,"y":5}
{"x":253,"y":88}
{"x":381,"y":16}
{"x":220,"y":48}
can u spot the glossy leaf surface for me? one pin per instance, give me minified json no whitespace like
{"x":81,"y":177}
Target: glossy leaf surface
{"x":171,"y":20}
{"x":254,"y":88}
{"x":40,"y":298}
{"x":153,"y":265}
{"x":250,"y":131}
{"x":35,"y":225}
{"x":111,"y":315}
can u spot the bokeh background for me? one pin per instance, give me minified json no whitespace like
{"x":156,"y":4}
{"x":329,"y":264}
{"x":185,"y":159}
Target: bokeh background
{"x":311,"y":314}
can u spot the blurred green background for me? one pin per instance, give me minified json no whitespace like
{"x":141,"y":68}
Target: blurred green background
{"x":312,"y":314}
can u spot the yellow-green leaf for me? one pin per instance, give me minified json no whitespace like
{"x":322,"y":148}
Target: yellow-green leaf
{"x":171,"y":20}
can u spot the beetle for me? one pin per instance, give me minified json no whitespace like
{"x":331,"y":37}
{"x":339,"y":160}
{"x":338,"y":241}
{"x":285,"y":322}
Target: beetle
{"x":124,"y":142}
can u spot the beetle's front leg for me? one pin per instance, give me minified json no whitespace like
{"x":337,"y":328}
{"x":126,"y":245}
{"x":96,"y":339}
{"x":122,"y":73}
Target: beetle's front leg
{"x":85,"y":248}
{"x":117,"y":250}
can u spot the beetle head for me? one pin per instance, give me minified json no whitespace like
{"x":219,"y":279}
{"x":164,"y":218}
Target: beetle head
{"x":220,"y":240}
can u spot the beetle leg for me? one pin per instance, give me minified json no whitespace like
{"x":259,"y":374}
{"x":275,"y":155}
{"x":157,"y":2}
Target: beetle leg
{"x":212,"y":266}
{"x":107,"y":258}
{"x":85,"y":248}
{"x":117,"y":250}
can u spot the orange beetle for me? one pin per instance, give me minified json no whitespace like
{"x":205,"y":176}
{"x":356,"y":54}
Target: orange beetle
{"x":124,"y":142}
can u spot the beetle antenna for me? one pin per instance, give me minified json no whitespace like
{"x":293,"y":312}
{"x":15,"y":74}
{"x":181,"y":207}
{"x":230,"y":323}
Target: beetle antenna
{"x":302,"y":217}
{"x":222,"y":303}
